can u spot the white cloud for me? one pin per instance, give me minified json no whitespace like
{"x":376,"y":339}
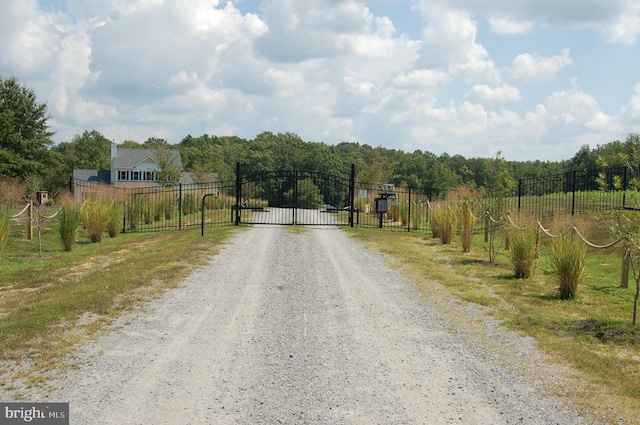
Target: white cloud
{"x":631,"y":111}
{"x":617,"y":19}
{"x":528,"y":66}
{"x":327,"y":70}
{"x":502,"y":94}
{"x":501,"y":25}
{"x":449,"y":42}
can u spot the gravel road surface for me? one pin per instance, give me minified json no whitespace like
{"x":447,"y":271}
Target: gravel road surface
{"x":307,"y":328}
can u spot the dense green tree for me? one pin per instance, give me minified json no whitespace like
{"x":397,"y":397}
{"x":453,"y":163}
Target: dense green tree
{"x":24,"y":134}
{"x":90,"y":150}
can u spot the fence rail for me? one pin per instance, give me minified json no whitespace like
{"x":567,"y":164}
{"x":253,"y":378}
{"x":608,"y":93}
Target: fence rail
{"x":203,"y":205}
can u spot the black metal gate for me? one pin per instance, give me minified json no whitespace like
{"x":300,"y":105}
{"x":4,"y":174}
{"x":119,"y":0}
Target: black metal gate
{"x":294,"y":198}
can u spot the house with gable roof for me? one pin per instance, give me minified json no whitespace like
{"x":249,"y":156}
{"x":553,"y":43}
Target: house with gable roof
{"x":131,"y":168}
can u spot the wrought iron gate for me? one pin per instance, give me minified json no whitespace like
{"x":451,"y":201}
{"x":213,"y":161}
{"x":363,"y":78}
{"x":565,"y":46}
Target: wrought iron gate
{"x":294,"y":198}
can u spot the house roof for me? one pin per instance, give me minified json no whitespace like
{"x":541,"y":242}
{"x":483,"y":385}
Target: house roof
{"x":128,"y":158}
{"x":93,"y":176}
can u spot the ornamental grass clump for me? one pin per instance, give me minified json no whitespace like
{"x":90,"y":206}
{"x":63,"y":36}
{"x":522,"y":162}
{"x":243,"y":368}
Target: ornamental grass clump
{"x":448,"y":222}
{"x":568,"y":258}
{"x":135,"y":205}
{"x":116,"y":217}
{"x":467,"y":225}
{"x":95,"y":218}
{"x":69,"y":221}
{"x":523,"y":253}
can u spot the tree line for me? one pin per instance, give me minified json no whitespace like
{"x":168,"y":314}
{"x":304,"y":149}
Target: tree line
{"x":27,"y":153}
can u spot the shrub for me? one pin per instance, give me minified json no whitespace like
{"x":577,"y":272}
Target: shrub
{"x":523,"y":253}
{"x":567,"y":261}
{"x":447,"y":222}
{"x":69,"y":220}
{"x":95,"y":218}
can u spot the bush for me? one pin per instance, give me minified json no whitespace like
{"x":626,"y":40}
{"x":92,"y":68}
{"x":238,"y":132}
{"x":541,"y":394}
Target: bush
{"x":95,"y":218}
{"x":523,"y":253}
{"x":567,"y":261}
{"x":69,"y":221}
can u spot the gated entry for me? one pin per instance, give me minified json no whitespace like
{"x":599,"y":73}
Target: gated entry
{"x":294,"y":198}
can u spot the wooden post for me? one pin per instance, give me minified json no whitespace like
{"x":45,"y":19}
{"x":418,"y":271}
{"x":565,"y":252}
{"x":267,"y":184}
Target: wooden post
{"x":30,"y":224}
{"x":624,"y":274}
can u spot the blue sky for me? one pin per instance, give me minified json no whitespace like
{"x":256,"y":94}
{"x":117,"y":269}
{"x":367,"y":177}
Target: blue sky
{"x":532,"y":79}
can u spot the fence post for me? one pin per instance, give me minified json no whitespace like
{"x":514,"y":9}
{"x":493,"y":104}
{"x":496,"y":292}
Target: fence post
{"x":295,"y":196}
{"x":573,"y":194}
{"x":519,"y":193}
{"x":180,"y":208}
{"x":409,"y":213}
{"x":238,"y":194}
{"x":624,"y":188}
{"x":30,"y":224}
{"x":352,"y":190}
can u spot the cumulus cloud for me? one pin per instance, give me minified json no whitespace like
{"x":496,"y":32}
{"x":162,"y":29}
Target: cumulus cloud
{"x":501,"y":25}
{"x":328,"y":70}
{"x":617,"y":19}
{"x":528,"y":66}
{"x":501,"y":94}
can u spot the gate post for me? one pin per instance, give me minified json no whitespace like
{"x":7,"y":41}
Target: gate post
{"x":295,"y":197}
{"x":238,"y":193}
{"x":352,"y":190}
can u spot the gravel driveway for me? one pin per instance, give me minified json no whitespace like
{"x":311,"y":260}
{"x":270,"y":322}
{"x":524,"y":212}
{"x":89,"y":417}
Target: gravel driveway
{"x":306,"y":328}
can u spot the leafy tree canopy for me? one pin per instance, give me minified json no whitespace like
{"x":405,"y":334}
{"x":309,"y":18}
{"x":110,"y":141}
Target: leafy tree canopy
{"x":24,"y":135}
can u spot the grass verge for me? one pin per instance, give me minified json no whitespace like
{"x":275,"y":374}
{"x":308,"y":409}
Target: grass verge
{"x":591,"y":333}
{"x":49,"y":303}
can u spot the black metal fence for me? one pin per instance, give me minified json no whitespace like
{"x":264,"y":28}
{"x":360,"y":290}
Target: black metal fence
{"x":310,"y":198}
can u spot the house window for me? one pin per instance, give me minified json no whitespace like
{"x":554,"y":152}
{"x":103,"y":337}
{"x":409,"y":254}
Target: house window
{"x":149,"y":176}
{"x":135,"y":175}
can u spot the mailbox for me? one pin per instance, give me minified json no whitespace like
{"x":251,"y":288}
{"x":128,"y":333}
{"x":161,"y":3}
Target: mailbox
{"x":381,"y":205}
